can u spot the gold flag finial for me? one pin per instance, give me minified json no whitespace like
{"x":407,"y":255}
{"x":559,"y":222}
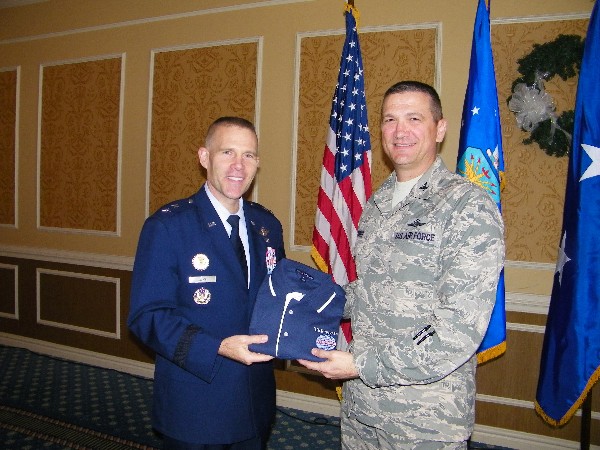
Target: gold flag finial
{"x":352,"y":9}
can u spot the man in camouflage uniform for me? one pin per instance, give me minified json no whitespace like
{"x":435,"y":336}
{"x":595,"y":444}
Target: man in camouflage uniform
{"x":429,"y":253}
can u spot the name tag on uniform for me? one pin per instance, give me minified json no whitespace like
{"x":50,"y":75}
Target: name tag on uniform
{"x":205,"y":279}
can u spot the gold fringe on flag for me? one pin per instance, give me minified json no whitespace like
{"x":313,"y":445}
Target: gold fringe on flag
{"x":491,"y":353}
{"x":318,"y":259}
{"x":338,"y":391}
{"x":573,"y":409}
{"x":502,"y":180}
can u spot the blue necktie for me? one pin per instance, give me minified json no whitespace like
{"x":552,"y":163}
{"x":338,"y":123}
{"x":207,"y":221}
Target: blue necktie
{"x":236,"y":241}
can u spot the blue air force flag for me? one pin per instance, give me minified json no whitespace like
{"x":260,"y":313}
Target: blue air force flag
{"x":480,"y":157}
{"x":570,"y":362}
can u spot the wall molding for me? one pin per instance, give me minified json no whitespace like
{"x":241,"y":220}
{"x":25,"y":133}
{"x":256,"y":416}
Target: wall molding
{"x":515,"y":301}
{"x":116,"y":334}
{"x":17,"y":70}
{"x":144,"y":21}
{"x":544,"y":18}
{"x":14,"y":268}
{"x":309,"y":403}
{"x":14,"y":3}
{"x":527,"y":303}
{"x":145,"y":370}
{"x":526,"y":265}
{"x":526,"y":404}
{"x":520,"y":440}
{"x":117,"y":232}
{"x":68,"y":257}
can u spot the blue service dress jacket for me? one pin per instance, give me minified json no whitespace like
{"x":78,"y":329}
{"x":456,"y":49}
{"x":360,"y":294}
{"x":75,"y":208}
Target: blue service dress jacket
{"x":189,"y":293}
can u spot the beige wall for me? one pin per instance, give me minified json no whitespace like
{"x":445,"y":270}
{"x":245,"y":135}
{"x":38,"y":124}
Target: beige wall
{"x":57,"y":31}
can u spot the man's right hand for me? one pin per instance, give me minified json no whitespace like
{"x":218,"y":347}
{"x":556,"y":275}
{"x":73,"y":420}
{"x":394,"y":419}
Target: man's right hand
{"x":236,"y":348}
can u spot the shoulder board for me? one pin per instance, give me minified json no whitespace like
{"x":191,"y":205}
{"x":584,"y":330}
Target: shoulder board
{"x":259,"y":206}
{"x":175,"y":206}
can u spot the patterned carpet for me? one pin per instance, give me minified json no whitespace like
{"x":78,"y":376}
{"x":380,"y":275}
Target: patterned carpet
{"x":49,"y":403}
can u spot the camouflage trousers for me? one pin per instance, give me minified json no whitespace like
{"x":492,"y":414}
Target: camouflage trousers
{"x":358,"y":436}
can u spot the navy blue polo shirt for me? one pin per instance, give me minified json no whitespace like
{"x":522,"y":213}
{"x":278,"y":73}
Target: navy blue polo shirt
{"x":299,"y":308}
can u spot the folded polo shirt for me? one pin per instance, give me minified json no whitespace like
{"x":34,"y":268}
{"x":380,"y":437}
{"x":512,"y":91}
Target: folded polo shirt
{"x":299,"y":308}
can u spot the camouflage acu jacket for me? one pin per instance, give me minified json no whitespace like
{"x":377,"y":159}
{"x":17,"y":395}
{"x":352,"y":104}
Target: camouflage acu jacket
{"x":427,"y":276}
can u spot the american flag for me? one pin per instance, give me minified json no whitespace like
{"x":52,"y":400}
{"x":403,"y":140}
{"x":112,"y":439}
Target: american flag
{"x":346,"y":173}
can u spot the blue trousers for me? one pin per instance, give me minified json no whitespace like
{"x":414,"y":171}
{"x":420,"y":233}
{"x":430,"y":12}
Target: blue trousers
{"x":251,"y":444}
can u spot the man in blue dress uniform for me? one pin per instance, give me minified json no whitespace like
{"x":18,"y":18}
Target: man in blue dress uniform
{"x":192,"y":298}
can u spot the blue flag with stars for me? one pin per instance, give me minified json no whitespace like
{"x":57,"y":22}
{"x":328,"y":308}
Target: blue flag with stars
{"x":570,"y":362}
{"x":480,"y":157}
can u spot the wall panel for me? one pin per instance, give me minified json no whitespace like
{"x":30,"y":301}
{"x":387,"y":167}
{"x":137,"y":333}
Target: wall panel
{"x":81,"y":302}
{"x":79,"y":153}
{"x":191,"y":88}
{"x":9,"y":280}
{"x":535,"y":182}
{"x":9,"y":82}
{"x":80,"y":306}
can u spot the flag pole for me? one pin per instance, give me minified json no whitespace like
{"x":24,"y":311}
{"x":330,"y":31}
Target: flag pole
{"x":586,"y":420}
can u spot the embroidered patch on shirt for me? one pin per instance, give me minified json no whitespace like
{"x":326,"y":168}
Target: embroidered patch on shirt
{"x":415,"y":236}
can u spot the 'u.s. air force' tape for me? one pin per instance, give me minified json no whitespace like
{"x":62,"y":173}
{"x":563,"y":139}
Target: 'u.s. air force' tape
{"x":299,"y":308}
{"x":204,"y":279}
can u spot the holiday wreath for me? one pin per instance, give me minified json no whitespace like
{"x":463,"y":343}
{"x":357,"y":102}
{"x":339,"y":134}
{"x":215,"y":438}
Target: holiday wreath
{"x":534,"y":108}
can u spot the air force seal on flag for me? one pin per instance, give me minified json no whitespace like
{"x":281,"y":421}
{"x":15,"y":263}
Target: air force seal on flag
{"x":481,"y":169}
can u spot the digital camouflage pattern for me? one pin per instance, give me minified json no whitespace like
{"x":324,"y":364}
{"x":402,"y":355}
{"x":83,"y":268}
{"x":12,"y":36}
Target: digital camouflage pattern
{"x":427,"y":276}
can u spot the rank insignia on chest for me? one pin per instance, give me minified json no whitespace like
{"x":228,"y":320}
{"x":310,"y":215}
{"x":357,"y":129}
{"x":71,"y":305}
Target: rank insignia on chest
{"x":271,"y":259}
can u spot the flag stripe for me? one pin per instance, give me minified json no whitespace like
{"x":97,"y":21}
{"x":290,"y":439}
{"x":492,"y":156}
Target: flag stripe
{"x":331,"y":227}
